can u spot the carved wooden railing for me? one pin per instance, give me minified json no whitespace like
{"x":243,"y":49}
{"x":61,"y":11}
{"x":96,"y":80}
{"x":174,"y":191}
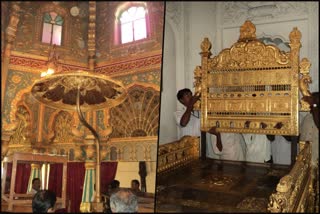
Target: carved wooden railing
{"x":178,"y":153}
{"x":296,"y":191}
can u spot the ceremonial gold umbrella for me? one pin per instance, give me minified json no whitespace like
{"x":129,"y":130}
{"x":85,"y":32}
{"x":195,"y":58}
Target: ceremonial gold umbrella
{"x":72,"y":90}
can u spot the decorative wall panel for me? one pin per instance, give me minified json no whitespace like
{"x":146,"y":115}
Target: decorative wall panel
{"x":138,"y":115}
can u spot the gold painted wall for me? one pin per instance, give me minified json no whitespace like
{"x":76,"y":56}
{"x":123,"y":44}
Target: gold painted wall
{"x":137,"y":65}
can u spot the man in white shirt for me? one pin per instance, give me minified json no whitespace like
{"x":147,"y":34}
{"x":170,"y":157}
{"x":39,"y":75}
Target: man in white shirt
{"x":189,"y":120}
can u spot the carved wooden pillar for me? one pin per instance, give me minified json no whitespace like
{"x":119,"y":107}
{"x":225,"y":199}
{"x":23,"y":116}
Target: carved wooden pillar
{"x":11,"y":33}
{"x":92,"y":35}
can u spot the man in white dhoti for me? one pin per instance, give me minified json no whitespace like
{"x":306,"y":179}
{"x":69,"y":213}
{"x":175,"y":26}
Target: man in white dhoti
{"x":281,"y":150}
{"x":258,"y":147}
{"x":233,"y":146}
{"x":309,"y":130}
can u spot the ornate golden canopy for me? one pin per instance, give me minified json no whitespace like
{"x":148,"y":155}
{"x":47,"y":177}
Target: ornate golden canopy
{"x":97,"y":91}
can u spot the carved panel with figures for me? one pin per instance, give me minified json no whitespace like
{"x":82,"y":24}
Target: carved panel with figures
{"x":252,"y":87}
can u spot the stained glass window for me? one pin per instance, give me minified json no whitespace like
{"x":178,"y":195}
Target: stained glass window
{"x":133,"y":24}
{"x":52,"y":28}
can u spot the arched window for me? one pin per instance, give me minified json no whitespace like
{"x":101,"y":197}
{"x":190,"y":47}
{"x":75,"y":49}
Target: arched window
{"x":52,"y":28}
{"x":133,"y":24}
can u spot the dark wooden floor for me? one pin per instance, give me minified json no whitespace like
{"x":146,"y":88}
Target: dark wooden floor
{"x":215,"y":186}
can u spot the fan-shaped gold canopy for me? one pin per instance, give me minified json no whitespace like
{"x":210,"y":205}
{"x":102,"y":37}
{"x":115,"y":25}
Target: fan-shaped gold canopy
{"x":97,"y":91}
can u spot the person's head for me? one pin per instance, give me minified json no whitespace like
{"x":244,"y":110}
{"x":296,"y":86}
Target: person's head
{"x":184,"y":96}
{"x":43,"y":201}
{"x":124,"y":201}
{"x":135,"y":185}
{"x":36,"y":184}
{"x":115,"y":184}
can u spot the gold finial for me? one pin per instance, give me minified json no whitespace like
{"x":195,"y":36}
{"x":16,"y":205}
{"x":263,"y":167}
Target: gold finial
{"x":295,"y":35}
{"x":205,"y":45}
{"x":247,"y":31}
{"x":305,"y":66}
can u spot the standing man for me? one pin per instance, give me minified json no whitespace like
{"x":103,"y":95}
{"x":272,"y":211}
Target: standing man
{"x":258,"y":146}
{"x":310,"y":126}
{"x":233,"y":146}
{"x":189,"y":120}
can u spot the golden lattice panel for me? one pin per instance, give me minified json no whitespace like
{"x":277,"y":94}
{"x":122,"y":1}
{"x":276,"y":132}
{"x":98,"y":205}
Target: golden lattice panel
{"x":252,"y":82}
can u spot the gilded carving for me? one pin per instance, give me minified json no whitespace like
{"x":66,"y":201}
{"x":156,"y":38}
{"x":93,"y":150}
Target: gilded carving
{"x":250,"y":81}
{"x":247,"y":32}
{"x":92,"y":34}
{"x":295,"y":36}
{"x":172,"y":155}
{"x":62,"y":127}
{"x":197,"y":84}
{"x":294,"y":191}
{"x":304,"y":82}
{"x":205,"y":45}
{"x":22,"y":132}
{"x":13,"y":22}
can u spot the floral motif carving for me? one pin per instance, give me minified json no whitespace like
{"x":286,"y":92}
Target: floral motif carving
{"x":22,"y":132}
{"x":294,"y":191}
{"x":177,"y":153}
{"x":237,"y":12}
{"x":62,"y":128}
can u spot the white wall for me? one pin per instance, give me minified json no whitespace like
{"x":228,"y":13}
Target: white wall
{"x":168,"y":128}
{"x":199,"y":23}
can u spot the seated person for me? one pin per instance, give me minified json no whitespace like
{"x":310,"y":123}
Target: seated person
{"x":36,"y":184}
{"x":135,"y":188}
{"x":124,"y":201}
{"x":112,"y":187}
{"x":44,"y":202}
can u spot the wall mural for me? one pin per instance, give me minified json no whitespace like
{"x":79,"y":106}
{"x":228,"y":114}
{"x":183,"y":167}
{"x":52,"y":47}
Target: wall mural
{"x":74,"y":33}
{"x":137,"y":66}
{"x":16,"y":82}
